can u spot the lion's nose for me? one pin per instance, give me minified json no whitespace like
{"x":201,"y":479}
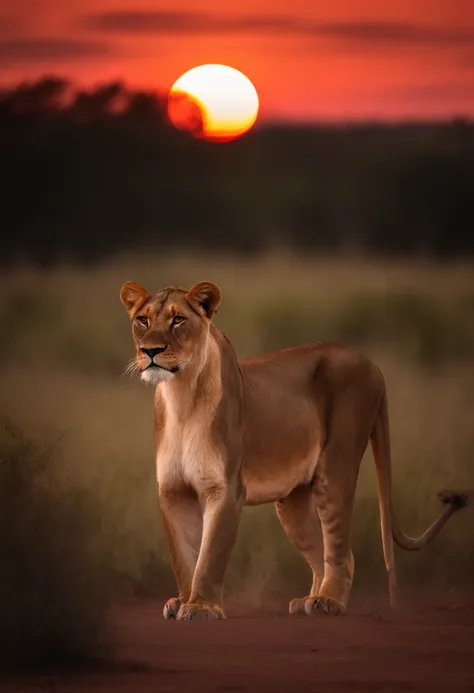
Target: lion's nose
{"x":153,"y":351}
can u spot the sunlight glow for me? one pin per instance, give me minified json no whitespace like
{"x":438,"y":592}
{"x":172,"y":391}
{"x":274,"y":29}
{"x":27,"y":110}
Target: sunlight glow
{"x":214,"y":102}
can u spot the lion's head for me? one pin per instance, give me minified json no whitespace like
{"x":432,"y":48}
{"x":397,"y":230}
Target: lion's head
{"x":171,"y":328}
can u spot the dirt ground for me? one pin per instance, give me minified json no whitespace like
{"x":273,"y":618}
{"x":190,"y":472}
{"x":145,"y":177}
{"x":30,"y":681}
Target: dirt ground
{"x":430,"y":648}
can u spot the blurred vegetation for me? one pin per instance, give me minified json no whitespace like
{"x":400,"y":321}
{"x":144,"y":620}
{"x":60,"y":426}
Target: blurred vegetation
{"x":425,"y":317}
{"x":65,"y":343}
{"x":88,"y":173}
{"x":54,"y":564}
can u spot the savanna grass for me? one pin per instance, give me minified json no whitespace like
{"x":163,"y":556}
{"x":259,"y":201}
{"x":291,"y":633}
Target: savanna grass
{"x":54,"y":582}
{"x":63,"y":369}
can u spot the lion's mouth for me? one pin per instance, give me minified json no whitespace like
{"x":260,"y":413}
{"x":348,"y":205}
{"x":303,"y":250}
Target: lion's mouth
{"x":156,"y":366}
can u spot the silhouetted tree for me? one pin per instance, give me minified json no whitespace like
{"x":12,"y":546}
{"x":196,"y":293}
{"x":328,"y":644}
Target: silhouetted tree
{"x":88,"y":173}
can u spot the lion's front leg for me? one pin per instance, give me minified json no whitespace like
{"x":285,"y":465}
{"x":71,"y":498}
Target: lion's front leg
{"x":222,"y":510}
{"x":182,"y":522}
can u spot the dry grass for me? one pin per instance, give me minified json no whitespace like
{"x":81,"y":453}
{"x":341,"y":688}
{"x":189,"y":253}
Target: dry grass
{"x":66,"y":341}
{"x":54,"y":577}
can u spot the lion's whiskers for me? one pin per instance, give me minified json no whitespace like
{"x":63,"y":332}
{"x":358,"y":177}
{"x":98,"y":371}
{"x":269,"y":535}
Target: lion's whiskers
{"x":132,"y":367}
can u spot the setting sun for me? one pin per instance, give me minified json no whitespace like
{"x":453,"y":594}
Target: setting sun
{"x":213,"y":102}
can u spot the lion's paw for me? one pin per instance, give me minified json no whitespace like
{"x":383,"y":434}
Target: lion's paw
{"x":297,"y":606}
{"x":199,"y":612}
{"x":171,"y":608}
{"x":323,"y":605}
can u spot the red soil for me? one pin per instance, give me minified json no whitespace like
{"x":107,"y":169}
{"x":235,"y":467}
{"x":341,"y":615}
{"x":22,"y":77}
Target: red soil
{"x":424,"y":649}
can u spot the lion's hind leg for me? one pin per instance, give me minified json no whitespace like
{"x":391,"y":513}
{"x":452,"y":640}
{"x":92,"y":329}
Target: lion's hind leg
{"x":299,"y":518}
{"x":334,"y":492}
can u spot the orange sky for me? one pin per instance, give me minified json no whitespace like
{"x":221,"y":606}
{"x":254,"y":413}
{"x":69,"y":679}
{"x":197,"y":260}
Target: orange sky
{"x":344,"y":59}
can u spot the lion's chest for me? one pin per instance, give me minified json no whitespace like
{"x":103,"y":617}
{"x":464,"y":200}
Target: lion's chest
{"x":186,"y":455}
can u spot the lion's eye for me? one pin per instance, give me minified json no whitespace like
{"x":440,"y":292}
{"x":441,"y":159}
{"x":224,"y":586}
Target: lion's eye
{"x":142,"y":320}
{"x":178,"y":320}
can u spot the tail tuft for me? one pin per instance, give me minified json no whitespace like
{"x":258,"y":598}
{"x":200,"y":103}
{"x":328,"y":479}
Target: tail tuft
{"x":457,"y":499}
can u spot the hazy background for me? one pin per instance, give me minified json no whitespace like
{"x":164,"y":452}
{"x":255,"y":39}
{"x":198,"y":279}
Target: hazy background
{"x":88,"y":174}
{"x":360,"y":232}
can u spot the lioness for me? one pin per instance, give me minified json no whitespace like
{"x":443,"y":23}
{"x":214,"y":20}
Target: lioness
{"x":289,"y":427}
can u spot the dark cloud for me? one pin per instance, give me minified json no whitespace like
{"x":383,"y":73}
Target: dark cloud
{"x":183,"y":22}
{"x":365,"y":32}
{"x":8,"y":24}
{"x":437,"y":92}
{"x":398,"y":33}
{"x":44,"y":49}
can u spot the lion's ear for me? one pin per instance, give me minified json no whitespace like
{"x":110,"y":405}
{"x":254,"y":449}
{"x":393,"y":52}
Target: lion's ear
{"x":133,"y":296}
{"x":205,"y":297}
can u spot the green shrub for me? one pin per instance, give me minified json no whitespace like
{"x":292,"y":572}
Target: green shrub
{"x":417,"y":327}
{"x":53,"y":586}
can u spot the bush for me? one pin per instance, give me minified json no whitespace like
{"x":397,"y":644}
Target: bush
{"x":415,"y":326}
{"x":53,"y":587}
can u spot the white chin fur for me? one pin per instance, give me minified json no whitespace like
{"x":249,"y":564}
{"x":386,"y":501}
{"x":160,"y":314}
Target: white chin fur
{"x":155,"y":376}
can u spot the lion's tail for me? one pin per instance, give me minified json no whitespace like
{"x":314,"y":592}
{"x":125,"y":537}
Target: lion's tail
{"x":380,"y":439}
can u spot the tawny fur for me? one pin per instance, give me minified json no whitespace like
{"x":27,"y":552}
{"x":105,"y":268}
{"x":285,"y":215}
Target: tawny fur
{"x":289,"y":427}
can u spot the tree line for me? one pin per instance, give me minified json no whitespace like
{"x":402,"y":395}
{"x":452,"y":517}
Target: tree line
{"x":85,"y":174}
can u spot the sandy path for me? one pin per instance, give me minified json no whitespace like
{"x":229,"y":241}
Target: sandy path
{"x":430,"y":649}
